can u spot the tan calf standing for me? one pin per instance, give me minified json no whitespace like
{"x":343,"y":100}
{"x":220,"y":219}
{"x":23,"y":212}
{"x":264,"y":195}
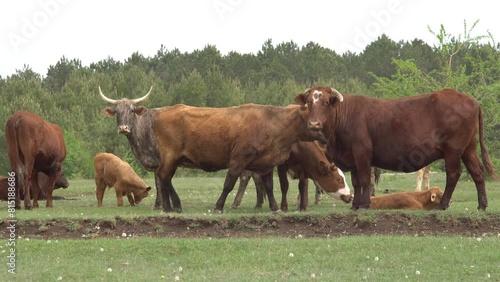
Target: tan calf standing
{"x":111,"y":171}
{"x":424,"y":200}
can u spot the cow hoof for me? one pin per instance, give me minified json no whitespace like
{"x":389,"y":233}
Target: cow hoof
{"x":218,"y":211}
{"x":480,"y":208}
{"x":28,"y":207}
{"x":234,"y":207}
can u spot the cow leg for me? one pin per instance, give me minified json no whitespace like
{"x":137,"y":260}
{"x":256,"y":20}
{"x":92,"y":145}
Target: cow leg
{"x":100,"y":189}
{"x":427,"y":178}
{"x":259,"y":188}
{"x":453,"y":172}
{"x":158,"y":200}
{"x":131,"y":199}
{"x":419,"y":175}
{"x":50,"y":187}
{"x":361,"y":181}
{"x":165,"y":174}
{"x":267,"y":180}
{"x":229,"y":182}
{"x":27,"y":186}
{"x":119,"y":194}
{"x":475,"y":169}
{"x":303,"y":192}
{"x":317,"y":195}
{"x":35,"y":185}
{"x":284,"y":184}
{"x":244,"y":179}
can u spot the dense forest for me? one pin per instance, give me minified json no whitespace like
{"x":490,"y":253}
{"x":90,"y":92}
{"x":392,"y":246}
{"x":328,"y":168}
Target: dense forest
{"x":68,"y":93}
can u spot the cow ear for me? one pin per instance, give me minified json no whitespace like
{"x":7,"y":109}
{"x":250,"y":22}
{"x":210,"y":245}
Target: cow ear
{"x":433,"y":197}
{"x":323,"y":168}
{"x":301,"y":99}
{"x":140,"y":110}
{"x":108,"y":111}
{"x":147,"y":189}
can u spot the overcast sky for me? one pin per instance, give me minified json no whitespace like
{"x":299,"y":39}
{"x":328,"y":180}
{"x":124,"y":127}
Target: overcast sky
{"x":39,"y":32}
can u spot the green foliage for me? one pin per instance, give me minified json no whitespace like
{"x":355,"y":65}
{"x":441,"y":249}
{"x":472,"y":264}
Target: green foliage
{"x":68,"y":94}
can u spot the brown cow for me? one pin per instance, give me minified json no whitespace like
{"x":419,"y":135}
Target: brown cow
{"x":43,"y":179}
{"x":111,"y":171}
{"x":421,"y":200}
{"x":403,"y":134}
{"x":308,"y":160}
{"x":253,"y":137}
{"x":34,"y":145}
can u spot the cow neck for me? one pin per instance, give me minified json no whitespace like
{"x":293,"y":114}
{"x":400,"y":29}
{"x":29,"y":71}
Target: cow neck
{"x":335,"y":123}
{"x":143,"y":141}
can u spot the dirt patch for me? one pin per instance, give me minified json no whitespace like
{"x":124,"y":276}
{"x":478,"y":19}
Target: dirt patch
{"x":292,"y":226}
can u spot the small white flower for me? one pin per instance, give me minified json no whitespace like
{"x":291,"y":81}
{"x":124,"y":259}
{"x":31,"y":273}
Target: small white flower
{"x":313,"y":275}
{"x":367,"y":257}
{"x":479,"y":239}
{"x":180,"y":268}
{"x":177,"y":278}
{"x":124,"y":234}
{"x":376,"y":259}
{"x":101,"y":249}
{"x":27,"y":239}
{"x":466,"y":209}
{"x":48,"y":241}
{"x":59,"y":278}
{"x":98,"y":227}
{"x":291,"y":255}
{"x":488,"y":275}
{"x":3,"y":252}
{"x":209,"y":211}
{"x":299,"y":236}
{"x":109,"y":269}
{"x":417,"y":272}
{"x":444,"y":247}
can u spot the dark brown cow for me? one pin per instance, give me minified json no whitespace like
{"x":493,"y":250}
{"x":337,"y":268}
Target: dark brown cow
{"x":403,"y":134}
{"x":61,"y":182}
{"x":253,"y":137}
{"x":34,"y":145}
{"x":308,"y":160}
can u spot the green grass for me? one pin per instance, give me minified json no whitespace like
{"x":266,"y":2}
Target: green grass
{"x":355,"y":258}
{"x":377,"y":258}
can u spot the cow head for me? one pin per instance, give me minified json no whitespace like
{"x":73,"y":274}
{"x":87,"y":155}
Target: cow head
{"x":61,"y":181}
{"x":332,"y":181}
{"x":318,"y":101}
{"x":126,"y":111}
{"x":141,"y":194}
{"x":435,"y":195}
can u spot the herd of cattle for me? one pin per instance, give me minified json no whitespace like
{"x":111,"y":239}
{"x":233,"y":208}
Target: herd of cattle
{"x":327,"y":132}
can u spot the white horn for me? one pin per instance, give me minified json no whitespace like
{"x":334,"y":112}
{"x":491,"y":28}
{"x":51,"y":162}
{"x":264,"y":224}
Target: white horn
{"x":339,"y":96}
{"x":106,"y":98}
{"x":143,"y":97}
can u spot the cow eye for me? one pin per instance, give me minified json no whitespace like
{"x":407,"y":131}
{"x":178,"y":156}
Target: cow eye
{"x":327,"y":103}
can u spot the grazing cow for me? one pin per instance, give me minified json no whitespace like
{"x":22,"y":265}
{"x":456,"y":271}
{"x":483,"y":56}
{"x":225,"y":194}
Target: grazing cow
{"x":253,"y":137}
{"x":421,"y":200}
{"x":61,"y":182}
{"x":111,"y":171}
{"x":307,"y":160}
{"x":33,"y":146}
{"x":423,"y":175}
{"x":403,"y":134}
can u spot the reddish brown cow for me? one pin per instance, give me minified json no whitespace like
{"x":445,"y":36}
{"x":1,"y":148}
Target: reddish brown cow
{"x":414,"y":200}
{"x":34,"y":145}
{"x":43,"y":179}
{"x":403,"y":134}
{"x":253,"y":137}
{"x":111,"y":171}
{"x":308,"y":160}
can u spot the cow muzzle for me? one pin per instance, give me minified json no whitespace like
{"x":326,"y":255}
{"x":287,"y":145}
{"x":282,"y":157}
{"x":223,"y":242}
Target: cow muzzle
{"x":315,"y":125}
{"x":123,"y":129}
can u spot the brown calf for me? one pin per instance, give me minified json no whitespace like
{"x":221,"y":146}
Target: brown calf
{"x":111,"y":171}
{"x":424,"y":200}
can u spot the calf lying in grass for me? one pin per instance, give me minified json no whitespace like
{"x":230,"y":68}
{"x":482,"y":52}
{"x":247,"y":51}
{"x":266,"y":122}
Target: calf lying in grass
{"x":422,"y":200}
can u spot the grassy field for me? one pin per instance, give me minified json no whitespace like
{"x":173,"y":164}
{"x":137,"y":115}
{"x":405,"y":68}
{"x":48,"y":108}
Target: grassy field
{"x":350,"y":258}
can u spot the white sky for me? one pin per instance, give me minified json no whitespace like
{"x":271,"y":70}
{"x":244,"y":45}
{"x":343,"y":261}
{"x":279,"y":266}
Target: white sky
{"x":39,"y":32}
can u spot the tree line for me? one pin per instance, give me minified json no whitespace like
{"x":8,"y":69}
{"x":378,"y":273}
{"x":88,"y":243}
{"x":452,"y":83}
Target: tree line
{"x":68,"y":93}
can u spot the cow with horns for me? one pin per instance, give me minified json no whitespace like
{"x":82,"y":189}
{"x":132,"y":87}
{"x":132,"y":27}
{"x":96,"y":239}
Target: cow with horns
{"x":252,"y":137}
{"x":402,"y":134}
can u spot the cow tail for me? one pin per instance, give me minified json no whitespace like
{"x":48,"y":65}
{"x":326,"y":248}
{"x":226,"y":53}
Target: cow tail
{"x":13,"y":147}
{"x":484,"y":152}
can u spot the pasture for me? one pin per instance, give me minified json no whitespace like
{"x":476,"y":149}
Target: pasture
{"x":77,"y":241}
